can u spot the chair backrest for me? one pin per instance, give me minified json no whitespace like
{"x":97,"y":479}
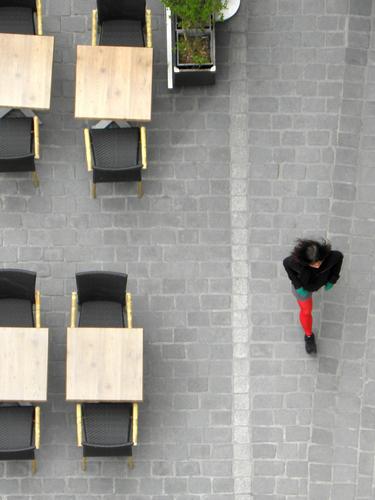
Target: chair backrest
{"x":17,"y":284}
{"x":101,"y":285}
{"x":121,"y":9}
{"x":24,"y":163}
{"x":106,"y":451}
{"x":16,"y":431}
{"x":19,"y":3}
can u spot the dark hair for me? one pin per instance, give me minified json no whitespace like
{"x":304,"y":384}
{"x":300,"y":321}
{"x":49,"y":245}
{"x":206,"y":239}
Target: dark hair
{"x":310,"y":251}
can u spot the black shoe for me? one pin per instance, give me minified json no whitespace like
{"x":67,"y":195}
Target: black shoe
{"x":310,"y":344}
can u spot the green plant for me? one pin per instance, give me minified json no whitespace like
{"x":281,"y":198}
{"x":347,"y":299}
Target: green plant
{"x":196,"y":14}
{"x":194,"y":50}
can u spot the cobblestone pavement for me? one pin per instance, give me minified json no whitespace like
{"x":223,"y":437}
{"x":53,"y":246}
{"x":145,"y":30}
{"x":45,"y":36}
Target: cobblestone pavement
{"x":282,"y":146}
{"x":310,"y":87}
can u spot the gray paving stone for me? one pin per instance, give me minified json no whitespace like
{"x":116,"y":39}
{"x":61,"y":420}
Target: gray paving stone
{"x":281,"y":146}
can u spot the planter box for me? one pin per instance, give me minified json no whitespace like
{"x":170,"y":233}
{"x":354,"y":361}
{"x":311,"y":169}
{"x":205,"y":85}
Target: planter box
{"x":184,"y":73}
{"x":205,"y":38}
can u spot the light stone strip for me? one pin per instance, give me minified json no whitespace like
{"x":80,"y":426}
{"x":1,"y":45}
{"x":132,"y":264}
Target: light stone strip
{"x":353,"y":371}
{"x":365,"y":483}
{"x":240,"y":265}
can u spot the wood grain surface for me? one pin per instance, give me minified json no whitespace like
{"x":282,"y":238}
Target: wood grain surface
{"x":104,"y":364}
{"x":113,"y":83}
{"x":25,"y":71}
{"x":23,"y":364}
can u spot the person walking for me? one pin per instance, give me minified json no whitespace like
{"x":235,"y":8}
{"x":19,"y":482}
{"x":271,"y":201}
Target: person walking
{"x":311,"y":265}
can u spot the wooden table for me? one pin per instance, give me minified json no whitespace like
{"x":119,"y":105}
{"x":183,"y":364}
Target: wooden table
{"x":23,"y":364}
{"x":104,"y":364}
{"x":113,"y":83}
{"x":25,"y":71}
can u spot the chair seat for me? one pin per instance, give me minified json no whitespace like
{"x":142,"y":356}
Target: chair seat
{"x":16,"y":312}
{"x":17,"y":429}
{"x":115,"y":147}
{"x":107,"y":424}
{"x":19,"y":20}
{"x":100,"y":313}
{"x":16,"y":153}
{"x":116,"y":155}
{"x":122,"y":32}
{"x":15,"y":136}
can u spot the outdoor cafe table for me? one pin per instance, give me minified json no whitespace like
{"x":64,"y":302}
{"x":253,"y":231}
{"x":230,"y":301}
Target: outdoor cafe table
{"x":23,"y":364}
{"x":113,"y":83}
{"x":104,"y":364}
{"x":25,"y":71}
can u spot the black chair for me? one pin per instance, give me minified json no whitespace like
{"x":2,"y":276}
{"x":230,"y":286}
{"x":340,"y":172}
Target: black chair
{"x":101,"y":298}
{"x":17,"y":16}
{"x":19,"y":145}
{"x":122,"y":23}
{"x":19,"y":432}
{"x":19,"y":137}
{"x":109,"y":430}
{"x":17,"y":298}
{"x":19,"y":425}
{"x":116,"y":154}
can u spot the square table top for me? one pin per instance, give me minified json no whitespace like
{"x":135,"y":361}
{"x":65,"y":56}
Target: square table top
{"x":23,"y":364}
{"x":25,"y":71}
{"x":113,"y":83}
{"x":104,"y":364}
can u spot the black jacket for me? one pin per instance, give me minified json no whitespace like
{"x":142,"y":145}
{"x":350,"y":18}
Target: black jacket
{"x":312,"y":279}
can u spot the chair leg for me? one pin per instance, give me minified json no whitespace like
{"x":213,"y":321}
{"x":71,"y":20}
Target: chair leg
{"x":139,"y":189}
{"x":84,"y":463}
{"x":130,"y":463}
{"x":35,"y":179}
{"x":93,"y":190}
{"x":33,"y":466}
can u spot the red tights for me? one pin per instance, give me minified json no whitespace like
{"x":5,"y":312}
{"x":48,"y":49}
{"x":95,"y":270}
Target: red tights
{"x":305,"y":315}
